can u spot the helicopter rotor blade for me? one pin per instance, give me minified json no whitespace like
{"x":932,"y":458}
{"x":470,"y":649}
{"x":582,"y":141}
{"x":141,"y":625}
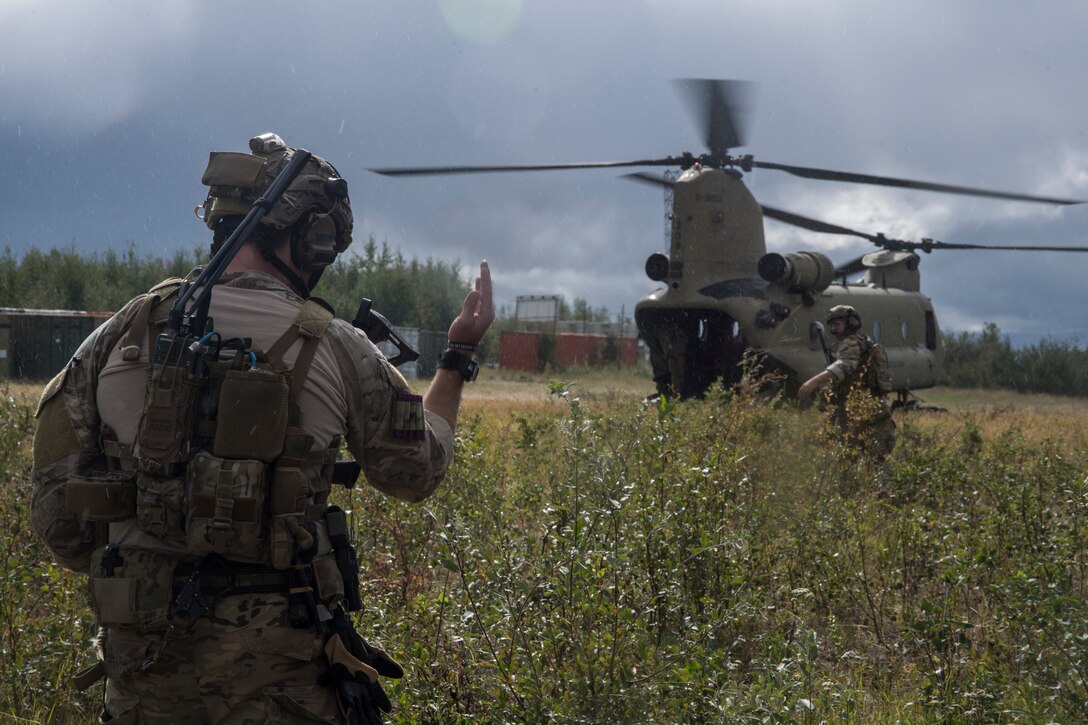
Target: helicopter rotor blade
{"x":720,"y":108}
{"x":852,"y":267}
{"x":807,"y":172}
{"x":648,"y":178}
{"x":928,"y":245}
{"x":445,"y":170}
{"x":895,"y":245}
{"x":815,"y":225}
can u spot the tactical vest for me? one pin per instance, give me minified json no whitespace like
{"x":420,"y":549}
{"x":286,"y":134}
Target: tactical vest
{"x":221,"y":472}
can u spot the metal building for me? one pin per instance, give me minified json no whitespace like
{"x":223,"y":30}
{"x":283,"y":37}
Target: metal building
{"x":36,"y":344}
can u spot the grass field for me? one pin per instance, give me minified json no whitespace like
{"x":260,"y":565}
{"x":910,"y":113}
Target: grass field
{"x":594,"y":559}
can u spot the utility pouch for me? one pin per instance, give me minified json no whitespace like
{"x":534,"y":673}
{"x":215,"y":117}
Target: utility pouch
{"x":253,"y":410}
{"x":132,"y":587}
{"x":160,"y":506}
{"x":291,"y":492}
{"x":227,"y":507}
{"x":101,"y":496}
{"x":328,"y":583}
{"x":174,"y":382}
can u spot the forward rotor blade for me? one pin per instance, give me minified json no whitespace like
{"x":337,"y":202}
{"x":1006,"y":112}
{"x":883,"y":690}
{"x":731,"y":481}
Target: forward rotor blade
{"x":720,"y":108}
{"x":445,"y":170}
{"x":829,"y":175}
{"x":648,"y":178}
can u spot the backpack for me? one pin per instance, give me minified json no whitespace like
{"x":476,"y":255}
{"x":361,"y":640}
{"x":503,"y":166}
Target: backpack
{"x":878,"y":376}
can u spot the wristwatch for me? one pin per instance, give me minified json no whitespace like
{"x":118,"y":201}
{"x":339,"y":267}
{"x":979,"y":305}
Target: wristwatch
{"x":453,"y":360}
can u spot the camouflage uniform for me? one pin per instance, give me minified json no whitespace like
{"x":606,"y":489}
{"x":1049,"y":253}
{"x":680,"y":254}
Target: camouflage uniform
{"x":860,"y":409}
{"x":243,"y":662}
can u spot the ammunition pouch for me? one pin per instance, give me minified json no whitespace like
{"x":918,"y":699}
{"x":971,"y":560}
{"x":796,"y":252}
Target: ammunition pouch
{"x":160,"y":507}
{"x":226,"y":507}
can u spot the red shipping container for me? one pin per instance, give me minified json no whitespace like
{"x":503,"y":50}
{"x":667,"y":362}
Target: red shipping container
{"x":522,"y":351}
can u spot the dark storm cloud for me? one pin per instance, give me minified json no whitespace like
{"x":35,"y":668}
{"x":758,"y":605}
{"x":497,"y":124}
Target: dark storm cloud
{"x":110,"y":110}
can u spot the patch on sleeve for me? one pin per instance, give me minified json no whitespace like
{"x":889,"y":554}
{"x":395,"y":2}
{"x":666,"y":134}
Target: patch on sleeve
{"x":408,"y":421}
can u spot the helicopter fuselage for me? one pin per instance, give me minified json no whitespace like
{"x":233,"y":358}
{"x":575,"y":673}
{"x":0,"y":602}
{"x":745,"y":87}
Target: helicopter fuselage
{"x":727,"y":302}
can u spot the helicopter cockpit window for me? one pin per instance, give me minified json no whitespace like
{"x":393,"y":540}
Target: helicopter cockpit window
{"x":876,"y":330}
{"x":904,"y":331}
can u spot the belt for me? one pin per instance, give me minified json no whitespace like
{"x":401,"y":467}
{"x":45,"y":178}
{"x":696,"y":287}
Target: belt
{"x":222,"y":576}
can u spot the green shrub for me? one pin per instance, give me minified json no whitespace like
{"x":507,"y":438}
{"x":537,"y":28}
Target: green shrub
{"x":602,"y":561}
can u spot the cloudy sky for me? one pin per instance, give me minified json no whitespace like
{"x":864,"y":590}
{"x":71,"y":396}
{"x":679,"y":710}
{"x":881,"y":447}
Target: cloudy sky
{"x":108,"y":110}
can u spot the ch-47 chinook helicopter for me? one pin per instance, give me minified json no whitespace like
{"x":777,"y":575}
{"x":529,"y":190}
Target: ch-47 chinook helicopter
{"x":727,"y":301}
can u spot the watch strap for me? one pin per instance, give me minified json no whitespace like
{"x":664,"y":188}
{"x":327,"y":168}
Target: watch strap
{"x":461,"y":363}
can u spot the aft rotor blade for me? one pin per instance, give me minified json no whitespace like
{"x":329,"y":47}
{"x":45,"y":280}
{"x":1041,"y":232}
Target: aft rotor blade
{"x":445,"y":170}
{"x":815,"y":225}
{"x":718,"y":107}
{"x":852,"y":267}
{"x":829,"y":175}
{"x":928,"y":245}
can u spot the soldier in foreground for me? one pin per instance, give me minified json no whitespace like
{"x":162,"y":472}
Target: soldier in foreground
{"x":860,"y":379}
{"x":183,"y":459}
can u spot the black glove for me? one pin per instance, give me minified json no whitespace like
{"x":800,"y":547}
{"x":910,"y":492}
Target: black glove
{"x":354,"y":668}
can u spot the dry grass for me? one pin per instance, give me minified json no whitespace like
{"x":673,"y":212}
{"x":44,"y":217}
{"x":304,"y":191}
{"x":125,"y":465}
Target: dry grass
{"x":995,"y":412}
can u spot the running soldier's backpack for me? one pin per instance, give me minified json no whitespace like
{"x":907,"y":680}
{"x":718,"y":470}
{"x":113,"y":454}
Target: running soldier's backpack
{"x":878,"y":377}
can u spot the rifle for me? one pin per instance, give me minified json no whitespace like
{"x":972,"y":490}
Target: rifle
{"x":379,"y":330}
{"x":818,"y":331}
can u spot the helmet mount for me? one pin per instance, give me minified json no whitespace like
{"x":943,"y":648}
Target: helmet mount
{"x":315,"y":208}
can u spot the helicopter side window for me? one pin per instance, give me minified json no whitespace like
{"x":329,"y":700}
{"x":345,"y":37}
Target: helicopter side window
{"x":904,"y":330}
{"x":876,"y":330}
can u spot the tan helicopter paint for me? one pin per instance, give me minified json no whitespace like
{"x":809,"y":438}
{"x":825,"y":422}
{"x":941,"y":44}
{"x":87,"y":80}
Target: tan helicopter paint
{"x":714,"y":213}
{"x":714,"y":281}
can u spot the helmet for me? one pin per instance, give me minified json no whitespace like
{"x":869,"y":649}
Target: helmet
{"x":315,"y":206}
{"x":845,"y":312}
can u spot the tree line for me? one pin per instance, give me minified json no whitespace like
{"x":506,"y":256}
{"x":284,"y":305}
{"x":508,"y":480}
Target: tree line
{"x":409,"y":292}
{"x":428,"y":295}
{"x":987,"y":359}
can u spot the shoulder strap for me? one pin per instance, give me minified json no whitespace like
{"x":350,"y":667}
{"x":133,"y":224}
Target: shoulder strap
{"x":140,"y":321}
{"x":310,"y":324}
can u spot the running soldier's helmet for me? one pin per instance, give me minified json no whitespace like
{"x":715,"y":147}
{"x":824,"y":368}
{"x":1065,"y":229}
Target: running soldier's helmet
{"x":315,"y":207}
{"x":847,"y":313}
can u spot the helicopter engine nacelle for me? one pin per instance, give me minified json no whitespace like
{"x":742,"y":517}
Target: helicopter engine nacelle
{"x":808,"y":272}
